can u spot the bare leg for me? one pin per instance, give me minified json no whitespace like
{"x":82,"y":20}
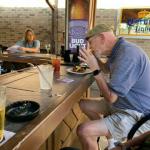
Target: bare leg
{"x":94,"y":108}
{"x":89,"y":131}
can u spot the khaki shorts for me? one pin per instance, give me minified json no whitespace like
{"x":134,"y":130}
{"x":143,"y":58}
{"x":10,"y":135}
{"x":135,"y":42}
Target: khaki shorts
{"x":120,"y":121}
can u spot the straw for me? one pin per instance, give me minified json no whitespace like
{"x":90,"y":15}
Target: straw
{"x":43,"y":76}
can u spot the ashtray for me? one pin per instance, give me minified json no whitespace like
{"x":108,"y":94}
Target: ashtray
{"x":21,"y":111}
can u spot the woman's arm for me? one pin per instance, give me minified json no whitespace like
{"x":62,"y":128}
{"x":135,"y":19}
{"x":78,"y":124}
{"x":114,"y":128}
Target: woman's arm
{"x":34,"y":49}
{"x":26,"y":49}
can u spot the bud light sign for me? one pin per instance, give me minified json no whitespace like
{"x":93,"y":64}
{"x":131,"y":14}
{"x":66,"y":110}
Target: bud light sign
{"x":77,"y":33}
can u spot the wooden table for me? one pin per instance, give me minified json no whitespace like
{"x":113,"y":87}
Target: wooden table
{"x":33,"y":58}
{"x":25,"y":86}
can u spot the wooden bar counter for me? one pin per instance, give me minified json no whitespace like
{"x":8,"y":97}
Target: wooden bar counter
{"x":53,"y":110}
{"x":34,"y":58}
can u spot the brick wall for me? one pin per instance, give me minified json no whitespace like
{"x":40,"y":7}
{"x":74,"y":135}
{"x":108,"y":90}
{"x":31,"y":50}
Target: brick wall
{"x":14,"y":21}
{"x":109,"y":16}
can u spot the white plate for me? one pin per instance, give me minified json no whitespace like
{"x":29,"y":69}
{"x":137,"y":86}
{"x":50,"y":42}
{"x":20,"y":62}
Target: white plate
{"x":87,"y":71}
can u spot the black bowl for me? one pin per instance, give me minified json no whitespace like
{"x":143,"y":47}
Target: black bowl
{"x":21,"y":111}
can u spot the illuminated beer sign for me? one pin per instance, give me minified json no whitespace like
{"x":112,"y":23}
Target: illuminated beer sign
{"x":134,"y":22}
{"x":77,"y":31}
{"x":78,"y":23}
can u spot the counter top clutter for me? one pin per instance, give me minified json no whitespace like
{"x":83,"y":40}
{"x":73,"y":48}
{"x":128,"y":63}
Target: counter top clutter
{"x":25,"y":88}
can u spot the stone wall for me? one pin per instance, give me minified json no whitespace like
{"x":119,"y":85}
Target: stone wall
{"x":14,"y":21}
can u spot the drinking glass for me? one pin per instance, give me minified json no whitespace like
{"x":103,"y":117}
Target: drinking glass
{"x":71,"y":57}
{"x":48,"y":48}
{"x":46,"y":77}
{"x":56,"y":64}
{"x":2,"y":110}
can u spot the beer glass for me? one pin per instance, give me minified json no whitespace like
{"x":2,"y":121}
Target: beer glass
{"x":48,"y":48}
{"x":2,"y":110}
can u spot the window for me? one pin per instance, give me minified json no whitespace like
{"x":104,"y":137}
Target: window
{"x":134,"y":22}
{"x":116,"y":4}
{"x":23,"y":3}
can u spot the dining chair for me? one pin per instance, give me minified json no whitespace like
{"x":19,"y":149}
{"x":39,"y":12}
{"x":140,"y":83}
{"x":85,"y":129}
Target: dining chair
{"x":137,"y":125}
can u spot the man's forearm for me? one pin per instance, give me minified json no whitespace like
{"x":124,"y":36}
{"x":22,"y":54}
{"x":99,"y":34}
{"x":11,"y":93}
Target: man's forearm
{"x":108,"y":94}
{"x":103,"y":66}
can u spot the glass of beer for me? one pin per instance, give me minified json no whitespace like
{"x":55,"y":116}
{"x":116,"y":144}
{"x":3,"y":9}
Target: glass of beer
{"x":2,"y":110}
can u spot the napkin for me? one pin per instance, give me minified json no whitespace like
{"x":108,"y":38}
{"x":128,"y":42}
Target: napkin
{"x":66,"y":80}
{"x":8,"y":135}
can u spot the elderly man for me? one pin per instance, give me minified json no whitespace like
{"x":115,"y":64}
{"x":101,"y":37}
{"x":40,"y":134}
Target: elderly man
{"x":126,"y":96}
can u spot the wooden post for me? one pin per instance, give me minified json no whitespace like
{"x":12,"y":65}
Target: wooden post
{"x":54,"y":30}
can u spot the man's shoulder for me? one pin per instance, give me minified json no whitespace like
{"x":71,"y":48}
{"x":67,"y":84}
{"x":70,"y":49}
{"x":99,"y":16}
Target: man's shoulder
{"x":131,"y":50}
{"x":127,"y":45}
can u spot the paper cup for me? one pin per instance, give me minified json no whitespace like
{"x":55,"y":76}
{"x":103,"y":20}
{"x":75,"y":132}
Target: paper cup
{"x":46,"y":77}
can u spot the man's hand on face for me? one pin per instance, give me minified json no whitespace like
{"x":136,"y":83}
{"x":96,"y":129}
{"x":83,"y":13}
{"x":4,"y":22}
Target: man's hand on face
{"x":87,"y":57}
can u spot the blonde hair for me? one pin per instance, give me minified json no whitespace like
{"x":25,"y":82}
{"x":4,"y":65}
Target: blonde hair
{"x":29,"y":30}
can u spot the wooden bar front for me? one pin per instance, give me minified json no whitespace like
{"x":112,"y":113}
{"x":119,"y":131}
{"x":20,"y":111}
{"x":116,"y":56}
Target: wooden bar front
{"x":56,"y":111}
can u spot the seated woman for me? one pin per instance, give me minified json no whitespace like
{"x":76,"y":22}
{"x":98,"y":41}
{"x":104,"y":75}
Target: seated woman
{"x":29,"y":43}
{"x":26,"y":45}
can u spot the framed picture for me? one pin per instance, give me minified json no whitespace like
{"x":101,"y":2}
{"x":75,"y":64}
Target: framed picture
{"x":134,"y":22}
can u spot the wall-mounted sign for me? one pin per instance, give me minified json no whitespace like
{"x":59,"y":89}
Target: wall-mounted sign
{"x":77,"y":31}
{"x":78,"y":13}
{"x":134,"y":22}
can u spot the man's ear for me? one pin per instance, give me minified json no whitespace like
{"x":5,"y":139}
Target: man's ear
{"x":102,"y":37}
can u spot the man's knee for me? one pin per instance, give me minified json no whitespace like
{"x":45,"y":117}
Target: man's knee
{"x":82,"y":104}
{"x":81,"y":130}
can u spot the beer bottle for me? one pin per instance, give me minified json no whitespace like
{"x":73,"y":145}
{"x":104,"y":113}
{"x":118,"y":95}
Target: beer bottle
{"x":75,"y":56}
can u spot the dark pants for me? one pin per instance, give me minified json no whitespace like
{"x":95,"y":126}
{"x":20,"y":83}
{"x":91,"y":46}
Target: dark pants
{"x":8,"y":66}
